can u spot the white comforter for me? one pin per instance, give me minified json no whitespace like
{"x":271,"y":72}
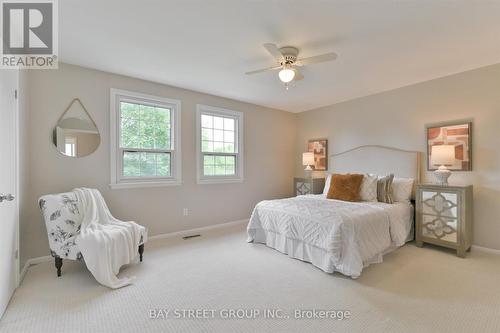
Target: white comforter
{"x":105,"y":242}
{"x":334,"y":235}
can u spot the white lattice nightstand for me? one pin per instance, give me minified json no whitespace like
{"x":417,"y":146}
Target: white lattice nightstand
{"x":303,"y":186}
{"x":444,"y":216}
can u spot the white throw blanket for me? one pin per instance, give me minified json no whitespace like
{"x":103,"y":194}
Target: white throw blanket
{"x":106,"y":243}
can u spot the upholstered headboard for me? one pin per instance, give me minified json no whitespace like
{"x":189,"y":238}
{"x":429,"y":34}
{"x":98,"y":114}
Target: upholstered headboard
{"x":380,"y":160}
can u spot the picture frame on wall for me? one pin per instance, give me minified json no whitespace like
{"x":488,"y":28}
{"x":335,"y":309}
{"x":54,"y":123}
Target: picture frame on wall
{"x":458,"y":134}
{"x":320,"y":149}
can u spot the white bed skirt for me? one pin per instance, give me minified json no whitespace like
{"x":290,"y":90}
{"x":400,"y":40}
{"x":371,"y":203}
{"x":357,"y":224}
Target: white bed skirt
{"x":297,"y":249}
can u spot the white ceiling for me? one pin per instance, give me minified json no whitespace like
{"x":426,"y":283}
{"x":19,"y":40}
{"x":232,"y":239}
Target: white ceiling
{"x":208,"y":45}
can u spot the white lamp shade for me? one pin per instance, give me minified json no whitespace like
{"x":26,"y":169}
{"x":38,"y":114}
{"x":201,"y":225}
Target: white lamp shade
{"x":443,"y":155}
{"x":308,"y":158}
{"x":286,"y":75}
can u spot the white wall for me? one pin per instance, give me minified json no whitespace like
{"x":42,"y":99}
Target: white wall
{"x":269,"y":157}
{"x":397,"y":118}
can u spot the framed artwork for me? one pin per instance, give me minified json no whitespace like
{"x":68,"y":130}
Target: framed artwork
{"x":320,"y":149}
{"x":456,"y":134}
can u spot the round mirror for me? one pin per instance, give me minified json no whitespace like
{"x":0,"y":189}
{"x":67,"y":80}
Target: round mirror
{"x":76,"y":134}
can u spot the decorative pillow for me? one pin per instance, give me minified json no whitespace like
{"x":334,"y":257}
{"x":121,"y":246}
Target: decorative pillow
{"x":327,"y":184}
{"x":384,"y":189}
{"x":402,"y":189}
{"x":368,"y":190}
{"x":345,"y":187}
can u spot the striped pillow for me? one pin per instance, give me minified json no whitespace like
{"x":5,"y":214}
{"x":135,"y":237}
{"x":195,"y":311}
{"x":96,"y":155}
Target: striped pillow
{"x":384,"y":189}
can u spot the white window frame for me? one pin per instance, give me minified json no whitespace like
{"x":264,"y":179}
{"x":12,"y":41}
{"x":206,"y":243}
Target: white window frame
{"x":117,"y":179}
{"x":239,"y":126}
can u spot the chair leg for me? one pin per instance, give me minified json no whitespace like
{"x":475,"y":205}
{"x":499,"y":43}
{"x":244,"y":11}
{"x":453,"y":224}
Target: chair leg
{"x":141,"y":251}
{"x":58,"y":262}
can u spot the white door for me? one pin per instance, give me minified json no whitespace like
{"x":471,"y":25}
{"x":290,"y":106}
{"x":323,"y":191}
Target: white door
{"x":8,"y":186}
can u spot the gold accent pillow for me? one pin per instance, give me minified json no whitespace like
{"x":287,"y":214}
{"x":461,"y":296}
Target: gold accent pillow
{"x":345,"y":187}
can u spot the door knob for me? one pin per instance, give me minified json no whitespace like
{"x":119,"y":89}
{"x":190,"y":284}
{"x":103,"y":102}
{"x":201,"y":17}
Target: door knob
{"x":6,"y":197}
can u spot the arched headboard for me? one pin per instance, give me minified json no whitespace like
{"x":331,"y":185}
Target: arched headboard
{"x":380,"y":160}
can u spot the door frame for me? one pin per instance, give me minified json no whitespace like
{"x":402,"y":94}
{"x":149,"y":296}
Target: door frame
{"x":17,"y":140}
{"x":13,"y":160}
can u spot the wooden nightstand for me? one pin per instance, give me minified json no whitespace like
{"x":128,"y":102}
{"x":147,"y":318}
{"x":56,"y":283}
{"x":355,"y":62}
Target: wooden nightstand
{"x":303,"y":186}
{"x":444,"y":216}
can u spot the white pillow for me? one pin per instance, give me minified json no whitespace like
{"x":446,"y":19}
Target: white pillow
{"x":402,"y":189}
{"x":368,"y":190}
{"x":327,"y":184}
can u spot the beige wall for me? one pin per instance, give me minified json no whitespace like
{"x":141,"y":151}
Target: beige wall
{"x":397,"y":118}
{"x":274,"y":141}
{"x":269,"y":157}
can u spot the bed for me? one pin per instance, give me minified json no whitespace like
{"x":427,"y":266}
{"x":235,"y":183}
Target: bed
{"x":340,"y":236}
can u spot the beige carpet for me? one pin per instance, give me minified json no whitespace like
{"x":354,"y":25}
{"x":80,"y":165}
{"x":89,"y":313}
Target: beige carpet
{"x":414,"y":290}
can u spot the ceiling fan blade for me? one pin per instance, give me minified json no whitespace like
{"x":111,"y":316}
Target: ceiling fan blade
{"x":263,"y":70}
{"x":316,"y":59}
{"x":274,"y":51}
{"x":298,"y":75}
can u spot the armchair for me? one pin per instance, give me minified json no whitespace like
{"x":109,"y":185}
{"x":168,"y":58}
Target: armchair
{"x":63,"y":221}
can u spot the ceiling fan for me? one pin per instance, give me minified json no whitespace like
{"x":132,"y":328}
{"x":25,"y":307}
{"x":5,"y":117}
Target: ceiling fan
{"x":287,"y":58}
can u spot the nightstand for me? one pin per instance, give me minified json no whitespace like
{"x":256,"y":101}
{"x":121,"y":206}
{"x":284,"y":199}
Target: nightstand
{"x":303,"y":186}
{"x":444,"y":216}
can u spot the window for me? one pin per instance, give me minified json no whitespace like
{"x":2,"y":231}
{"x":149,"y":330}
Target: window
{"x":145,"y":140}
{"x":219,"y":145}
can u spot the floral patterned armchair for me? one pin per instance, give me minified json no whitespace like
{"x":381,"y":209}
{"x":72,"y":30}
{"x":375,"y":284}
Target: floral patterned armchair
{"x":63,"y":221}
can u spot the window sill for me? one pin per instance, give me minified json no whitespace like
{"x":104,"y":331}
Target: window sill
{"x":117,"y":186}
{"x":207,"y":181}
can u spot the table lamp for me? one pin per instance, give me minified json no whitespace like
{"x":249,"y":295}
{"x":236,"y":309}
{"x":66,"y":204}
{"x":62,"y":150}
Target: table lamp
{"x":443,"y":156}
{"x":308,"y":160}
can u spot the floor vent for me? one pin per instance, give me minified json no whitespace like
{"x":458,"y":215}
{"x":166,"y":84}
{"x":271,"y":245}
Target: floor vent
{"x":190,"y":236}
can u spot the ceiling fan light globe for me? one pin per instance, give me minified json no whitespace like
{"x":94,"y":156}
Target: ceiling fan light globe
{"x":286,"y":75}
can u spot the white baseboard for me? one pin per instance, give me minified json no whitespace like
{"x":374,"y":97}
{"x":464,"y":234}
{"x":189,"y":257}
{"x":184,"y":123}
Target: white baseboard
{"x":485,"y":249}
{"x":188,"y":232}
{"x":31,"y":262}
{"x":182,"y":233}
